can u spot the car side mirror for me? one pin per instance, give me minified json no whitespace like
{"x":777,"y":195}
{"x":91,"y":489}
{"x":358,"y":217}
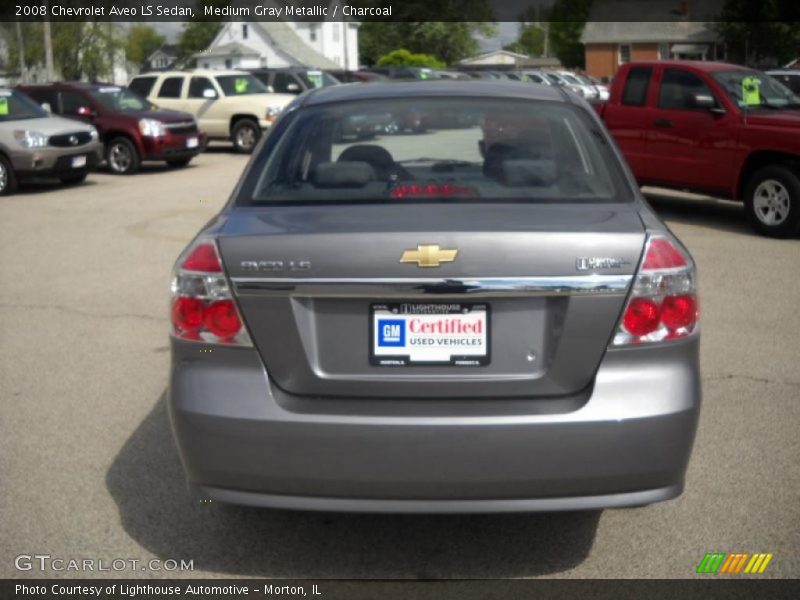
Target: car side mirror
{"x":47,"y":107}
{"x":293,"y":88}
{"x":270,"y":89}
{"x":209,"y":93}
{"x":706,"y":102}
{"x":84,"y":111}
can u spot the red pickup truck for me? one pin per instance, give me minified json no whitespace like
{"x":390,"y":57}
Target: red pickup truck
{"x":715,"y":128}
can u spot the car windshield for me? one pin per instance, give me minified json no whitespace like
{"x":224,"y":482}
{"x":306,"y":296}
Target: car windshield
{"x":117,"y":99}
{"x":423,"y":149}
{"x":753,"y":89}
{"x":240,"y":85}
{"x":15,"y":106}
{"x":570,"y":79}
{"x":317,"y":79}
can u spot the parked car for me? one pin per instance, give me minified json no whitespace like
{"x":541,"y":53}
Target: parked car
{"x":357,"y":76}
{"x":405,"y":72}
{"x":479,"y":319}
{"x":293,"y":80}
{"x":788,"y":77}
{"x":228,"y":105}
{"x":579,"y":85}
{"x":603,"y":93}
{"x":715,"y":128}
{"x":446,"y":74}
{"x":131,"y":128}
{"x":537,"y":77}
{"x":35,"y":144}
{"x":481,"y":74}
{"x":560,"y":80}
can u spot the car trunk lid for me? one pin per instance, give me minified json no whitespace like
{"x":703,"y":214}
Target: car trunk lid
{"x":553,"y":279}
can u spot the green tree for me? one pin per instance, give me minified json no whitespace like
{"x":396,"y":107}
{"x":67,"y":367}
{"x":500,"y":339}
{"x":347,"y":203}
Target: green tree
{"x":567,"y":19}
{"x":33,"y":38}
{"x":141,"y":42}
{"x":81,"y":49}
{"x":530,"y":40}
{"x":448,"y":42}
{"x":196,"y":36}
{"x":757,"y":33}
{"x":404,"y":58}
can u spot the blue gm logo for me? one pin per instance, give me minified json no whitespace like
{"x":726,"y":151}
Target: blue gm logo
{"x":391,"y":332}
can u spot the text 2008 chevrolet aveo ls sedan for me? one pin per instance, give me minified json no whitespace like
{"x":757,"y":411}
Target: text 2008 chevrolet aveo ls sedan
{"x":482,"y":317}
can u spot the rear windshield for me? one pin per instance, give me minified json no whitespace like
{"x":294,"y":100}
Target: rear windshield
{"x":239,"y":85}
{"x":117,"y":99}
{"x":15,"y":106}
{"x":423,"y":149}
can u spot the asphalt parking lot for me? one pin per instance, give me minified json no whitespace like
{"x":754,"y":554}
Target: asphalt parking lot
{"x":88,"y":468}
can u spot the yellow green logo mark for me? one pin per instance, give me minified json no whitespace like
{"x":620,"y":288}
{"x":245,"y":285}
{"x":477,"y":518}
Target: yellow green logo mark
{"x":734,"y":563}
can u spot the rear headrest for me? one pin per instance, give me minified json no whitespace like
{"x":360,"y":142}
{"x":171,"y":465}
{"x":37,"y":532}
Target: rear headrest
{"x":528,"y":171}
{"x":343,"y":174}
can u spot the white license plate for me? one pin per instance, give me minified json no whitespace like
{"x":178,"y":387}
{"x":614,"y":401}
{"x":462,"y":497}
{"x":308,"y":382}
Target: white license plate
{"x":78,"y":162}
{"x":447,"y":334}
{"x":192,"y":142}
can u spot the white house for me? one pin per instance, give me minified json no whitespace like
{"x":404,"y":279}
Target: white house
{"x":250,"y":44}
{"x":164,"y":57}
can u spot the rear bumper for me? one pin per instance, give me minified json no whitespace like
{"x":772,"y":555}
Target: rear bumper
{"x":625,"y":442}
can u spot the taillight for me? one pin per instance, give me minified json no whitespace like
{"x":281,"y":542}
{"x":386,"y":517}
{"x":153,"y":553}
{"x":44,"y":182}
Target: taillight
{"x":203,"y":309}
{"x":663,"y":302}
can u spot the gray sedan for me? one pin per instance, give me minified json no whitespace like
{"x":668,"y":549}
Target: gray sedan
{"x":482,"y":317}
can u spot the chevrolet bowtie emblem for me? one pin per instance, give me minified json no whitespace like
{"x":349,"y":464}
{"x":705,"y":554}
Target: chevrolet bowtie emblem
{"x":429,"y":255}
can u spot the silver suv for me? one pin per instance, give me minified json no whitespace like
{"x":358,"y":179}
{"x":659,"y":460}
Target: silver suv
{"x":35,"y":144}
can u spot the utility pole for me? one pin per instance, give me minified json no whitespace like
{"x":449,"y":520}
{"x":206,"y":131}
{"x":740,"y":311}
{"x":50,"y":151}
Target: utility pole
{"x":545,"y":28}
{"x":23,"y":75}
{"x":48,"y":49}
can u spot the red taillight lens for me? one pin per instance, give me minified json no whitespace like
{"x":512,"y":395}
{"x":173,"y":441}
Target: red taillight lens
{"x":222,"y":319}
{"x":641,"y":317}
{"x":188,"y":314}
{"x":431,"y":190}
{"x":679,"y":311}
{"x":663,"y":302}
{"x":203,"y":258}
{"x":662,"y":254}
{"x":203,"y":309}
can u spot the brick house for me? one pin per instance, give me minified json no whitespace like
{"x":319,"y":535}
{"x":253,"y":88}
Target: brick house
{"x":655,"y":30}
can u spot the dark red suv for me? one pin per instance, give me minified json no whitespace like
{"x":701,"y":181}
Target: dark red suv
{"x":132,"y":129}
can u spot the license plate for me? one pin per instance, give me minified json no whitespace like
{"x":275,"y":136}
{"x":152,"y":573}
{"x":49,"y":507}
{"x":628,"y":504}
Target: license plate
{"x":192,"y":142}
{"x":78,"y":162}
{"x":442,"y":334}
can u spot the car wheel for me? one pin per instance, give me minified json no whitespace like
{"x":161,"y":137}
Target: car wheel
{"x":772,"y":201}
{"x":74,"y":179}
{"x":8,"y":180}
{"x":245,"y":134}
{"x":179,"y":162}
{"x":122,"y":157}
